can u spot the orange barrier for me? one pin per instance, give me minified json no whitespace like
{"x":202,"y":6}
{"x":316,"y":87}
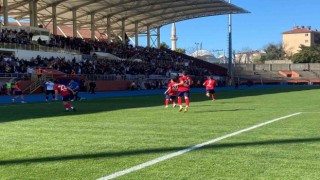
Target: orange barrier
{"x":291,"y":74}
{"x":51,"y":71}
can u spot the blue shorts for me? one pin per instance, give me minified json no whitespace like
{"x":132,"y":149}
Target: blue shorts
{"x":17,"y":93}
{"x":210,"y":91}
{"x":183,"y":93}
{"x":170,"y":97}
{"x":67,"y":97}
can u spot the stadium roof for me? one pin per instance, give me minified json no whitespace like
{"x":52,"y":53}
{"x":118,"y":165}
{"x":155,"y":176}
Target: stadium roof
{"x":154,"y":13}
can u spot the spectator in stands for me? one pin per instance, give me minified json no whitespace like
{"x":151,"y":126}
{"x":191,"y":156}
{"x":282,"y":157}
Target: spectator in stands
{"x":39,"y":41}
{"x":39,"y":73}
{"x":82,"y":85}
{"x":29,"y":71}
{"x":30,"y":36}
{"x":3,"y":89}
{"x":92,"y":86}
{"x":73,"y":72}
{"x":8,"y":88}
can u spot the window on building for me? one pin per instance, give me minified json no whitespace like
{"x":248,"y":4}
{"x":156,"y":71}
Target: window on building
{"x":306,"y":41}
{"x":307,"y":34}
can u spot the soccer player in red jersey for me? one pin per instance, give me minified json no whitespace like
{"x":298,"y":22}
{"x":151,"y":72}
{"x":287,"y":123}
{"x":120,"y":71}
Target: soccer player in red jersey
{"x":210,"y":84}
{"x":171,"y":93}
{"x":18,"y":92}
{"x":63,"y":90}
{"x":184,"y":90}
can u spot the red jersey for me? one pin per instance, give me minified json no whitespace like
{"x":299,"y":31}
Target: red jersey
{"x":17,"y":86}
{"x":187,"y":81}
{"x":210,"y":83}
{"x":62,"y":89}
{"x":173,"y":89}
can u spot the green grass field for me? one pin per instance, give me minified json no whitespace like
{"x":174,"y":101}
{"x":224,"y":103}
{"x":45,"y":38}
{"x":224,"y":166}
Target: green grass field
{"x":40,"y":141}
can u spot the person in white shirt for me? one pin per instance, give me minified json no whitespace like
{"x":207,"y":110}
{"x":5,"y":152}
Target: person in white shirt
{"x":49,"y":89}
{"x":29,"y":71}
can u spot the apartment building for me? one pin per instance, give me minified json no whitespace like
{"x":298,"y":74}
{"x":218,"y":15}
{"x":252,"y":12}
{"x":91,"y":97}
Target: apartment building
{"x":293,"y":39}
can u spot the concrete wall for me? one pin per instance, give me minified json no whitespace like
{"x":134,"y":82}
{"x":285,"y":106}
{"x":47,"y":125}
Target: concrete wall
{"x":261,"y":67}
{"x":299,"y":67}
{"x":278,"y":67}
{"x":315,"y":67}
{"x":120,"y":85}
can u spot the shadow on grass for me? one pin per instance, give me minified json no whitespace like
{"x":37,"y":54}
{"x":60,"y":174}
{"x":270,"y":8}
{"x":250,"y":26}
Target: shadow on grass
{"x":130,"y":100}
{"x":153,"y":151}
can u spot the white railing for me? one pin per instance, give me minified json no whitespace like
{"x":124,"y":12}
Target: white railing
{"x":36,"y":47}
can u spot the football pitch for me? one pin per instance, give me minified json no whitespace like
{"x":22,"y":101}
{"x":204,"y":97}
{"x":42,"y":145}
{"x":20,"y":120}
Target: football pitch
{"x":270,"y":133}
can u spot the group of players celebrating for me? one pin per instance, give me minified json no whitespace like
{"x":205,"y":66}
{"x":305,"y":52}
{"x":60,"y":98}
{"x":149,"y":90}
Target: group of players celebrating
{"x":182,"y":89}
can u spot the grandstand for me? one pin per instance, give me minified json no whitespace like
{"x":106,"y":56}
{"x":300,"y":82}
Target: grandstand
{"x":77,"y":39}
{"x":278,"y":73}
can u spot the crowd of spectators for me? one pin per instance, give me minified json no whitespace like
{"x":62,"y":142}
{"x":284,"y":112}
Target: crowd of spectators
{"x":152,"y":61}
{"x":14,"y":36}
{"x":122,"y":67}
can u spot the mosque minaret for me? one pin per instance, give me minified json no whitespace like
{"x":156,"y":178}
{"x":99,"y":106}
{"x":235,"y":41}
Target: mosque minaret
{"x":173,"y":37}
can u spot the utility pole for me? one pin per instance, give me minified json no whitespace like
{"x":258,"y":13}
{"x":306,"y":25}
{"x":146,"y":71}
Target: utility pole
{"x":230,"y":72}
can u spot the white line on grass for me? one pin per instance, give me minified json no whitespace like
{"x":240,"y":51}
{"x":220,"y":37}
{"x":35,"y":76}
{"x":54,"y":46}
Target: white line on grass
{"x":162,"y":158}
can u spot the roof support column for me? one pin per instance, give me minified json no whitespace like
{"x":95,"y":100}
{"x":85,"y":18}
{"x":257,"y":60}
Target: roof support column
{"x":35,"y":13}
{"x":136,"y":35}
{"x":5,"y":12}
{"x":123,"y":31}
{"x":109,"y":28}
{"x":74,"y":22}
{"x":93,"y":28}
{"x":158,"y":37}
{"x":54,"y":19}
{"x":148,"y":35}
{"x":31,"y":13}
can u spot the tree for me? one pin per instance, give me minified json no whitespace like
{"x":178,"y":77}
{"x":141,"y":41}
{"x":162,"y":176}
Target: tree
{"x":273,"y":52}
{"x":181,"y":50}
{"x":307,"y":54}
{"x":164,"y":45}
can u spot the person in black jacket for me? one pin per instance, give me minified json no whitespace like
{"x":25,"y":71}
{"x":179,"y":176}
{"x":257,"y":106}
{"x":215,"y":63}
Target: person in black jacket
{"x":92,"y":86}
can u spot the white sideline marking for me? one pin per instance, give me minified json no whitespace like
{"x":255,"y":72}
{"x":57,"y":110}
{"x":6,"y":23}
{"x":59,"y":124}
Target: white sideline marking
{"x":162,"y":158}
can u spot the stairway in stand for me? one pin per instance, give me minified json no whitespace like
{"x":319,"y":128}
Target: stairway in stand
{"x":36,"y":84}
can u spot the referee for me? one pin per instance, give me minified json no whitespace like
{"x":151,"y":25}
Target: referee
{"x":49,"y":89}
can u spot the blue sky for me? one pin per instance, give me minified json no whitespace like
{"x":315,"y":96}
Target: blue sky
{"x":264,"y":25}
